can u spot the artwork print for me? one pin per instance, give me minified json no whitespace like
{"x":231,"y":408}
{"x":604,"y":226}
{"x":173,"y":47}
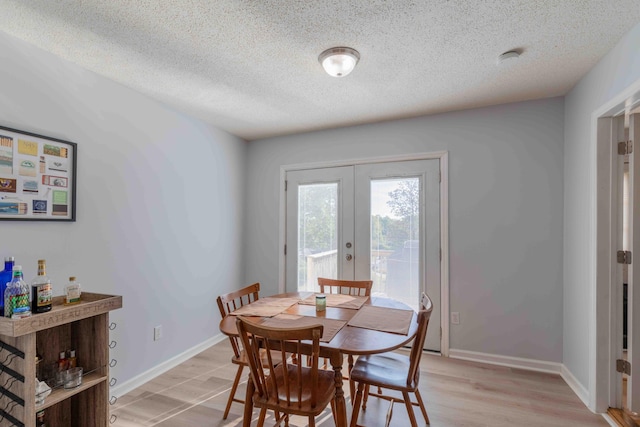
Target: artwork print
{"x":37,"y":177}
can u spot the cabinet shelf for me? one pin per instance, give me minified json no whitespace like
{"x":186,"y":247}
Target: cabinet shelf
{"x":59,"y":394}
{"x":83,"y":327}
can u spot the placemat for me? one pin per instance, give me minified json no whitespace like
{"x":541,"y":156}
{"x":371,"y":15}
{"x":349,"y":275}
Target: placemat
{"x":338,"y":300}
{"x":331,"y":326}
{"x":265,"y":307}
{"x":383,"y":319}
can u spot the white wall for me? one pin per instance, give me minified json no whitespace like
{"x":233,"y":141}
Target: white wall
{"x":159,"y":214}
{"x":506,"y":209}
{"x":615,"y":72}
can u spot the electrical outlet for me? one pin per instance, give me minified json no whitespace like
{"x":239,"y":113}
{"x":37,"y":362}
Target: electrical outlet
{"x":157,"y":332}
{"x":455,"y":318}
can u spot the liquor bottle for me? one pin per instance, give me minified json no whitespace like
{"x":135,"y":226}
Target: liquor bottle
{"x":8,"y":293}
{"x":41,"y":292}
{"x":17,"y":305}
{"x":5,"y":277}
{"x":71,"y":360}
{"x":62,"y":367}
{"x":72,"y":292}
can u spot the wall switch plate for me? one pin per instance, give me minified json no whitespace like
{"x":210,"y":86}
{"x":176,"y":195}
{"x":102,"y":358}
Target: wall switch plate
{"x":157,"y":332}
{"x":455,"y":318}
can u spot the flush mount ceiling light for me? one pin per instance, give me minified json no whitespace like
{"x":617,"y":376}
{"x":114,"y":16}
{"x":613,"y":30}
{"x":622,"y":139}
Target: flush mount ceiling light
{"x":339,"y":61}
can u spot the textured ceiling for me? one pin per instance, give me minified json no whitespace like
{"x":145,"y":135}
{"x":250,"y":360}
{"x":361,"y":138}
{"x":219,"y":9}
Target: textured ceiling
{"x":251,"y":67}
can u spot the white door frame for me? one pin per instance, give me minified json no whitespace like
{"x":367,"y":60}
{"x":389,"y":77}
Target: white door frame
{"x":608,"y":242}
{"x":633,"y":300}
{"x":443,"y":157}
{"x":606,"y":334}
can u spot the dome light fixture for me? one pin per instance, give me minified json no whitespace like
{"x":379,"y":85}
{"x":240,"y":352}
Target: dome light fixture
{"x":339,"y":61}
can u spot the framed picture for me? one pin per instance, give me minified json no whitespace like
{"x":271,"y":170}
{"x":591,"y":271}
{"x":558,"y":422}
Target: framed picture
{"x":37,"y":177}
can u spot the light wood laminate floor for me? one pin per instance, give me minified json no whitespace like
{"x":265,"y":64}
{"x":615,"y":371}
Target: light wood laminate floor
{"x":456,"y":393}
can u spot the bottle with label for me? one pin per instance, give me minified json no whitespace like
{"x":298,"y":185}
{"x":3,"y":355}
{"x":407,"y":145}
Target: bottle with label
{"x":72,"y":292}
{"x":17,"y":305}
{"x":5,"y":277}
{"x":71,"y":360}
{"x":41,"y":291}
{"x":62,"y":366}
{"x":8,"y":293}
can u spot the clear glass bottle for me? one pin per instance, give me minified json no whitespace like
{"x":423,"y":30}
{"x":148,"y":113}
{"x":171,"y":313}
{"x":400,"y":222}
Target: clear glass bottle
{"x":8,"y":293}
{"x":17,"y":305}
{"x":41,"y":291}
{"x":72,"y":292}
{"x":5,"y":277}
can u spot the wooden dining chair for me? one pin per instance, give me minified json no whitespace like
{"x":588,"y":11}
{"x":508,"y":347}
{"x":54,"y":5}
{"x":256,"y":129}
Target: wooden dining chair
{"x":287,"y":388}
{"x":228,"y":303}
{"x":346,"y":287}
{"x":394,"y":371}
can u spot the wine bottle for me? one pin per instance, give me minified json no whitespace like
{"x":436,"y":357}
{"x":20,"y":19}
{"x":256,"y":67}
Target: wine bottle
{"x":41,"y":291}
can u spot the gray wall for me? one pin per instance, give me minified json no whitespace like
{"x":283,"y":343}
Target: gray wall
{"x":615,"y":72}
{"x":159,"y":207}
{"x":505,"y":204}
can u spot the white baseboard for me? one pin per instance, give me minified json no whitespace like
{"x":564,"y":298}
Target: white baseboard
{"x":137,"y":381}
{"x":610,"y":420}
{"x":575,"y":385}
{"x":512,"y":362}
{"x":528,"y":364}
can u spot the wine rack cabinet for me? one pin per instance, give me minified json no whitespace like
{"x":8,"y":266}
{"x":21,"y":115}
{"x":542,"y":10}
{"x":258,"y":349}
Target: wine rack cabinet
{"x":83,"y":327}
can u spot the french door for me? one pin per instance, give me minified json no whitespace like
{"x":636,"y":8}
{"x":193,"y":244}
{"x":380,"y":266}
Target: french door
{"x":377,"y":221}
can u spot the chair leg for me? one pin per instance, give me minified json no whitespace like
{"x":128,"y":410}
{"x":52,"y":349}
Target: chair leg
{"x":312,"y":421}
{"x":366,"y":397}
{"x":263,"y":413}
{"x":389,"y":413}
{"x":356,"y":405}
{"x":232,"y":394}
{"x":422,"y":408}
{"x":409,"y":405}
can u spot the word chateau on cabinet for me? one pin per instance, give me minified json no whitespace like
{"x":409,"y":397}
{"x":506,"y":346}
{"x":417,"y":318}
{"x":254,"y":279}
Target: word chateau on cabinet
{"x":83,"y":327}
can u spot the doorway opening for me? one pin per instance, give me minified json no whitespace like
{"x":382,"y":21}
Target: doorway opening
{"x":618,"y":210}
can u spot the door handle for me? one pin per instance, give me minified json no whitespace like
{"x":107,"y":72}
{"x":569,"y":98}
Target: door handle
{"x":349,"y":257}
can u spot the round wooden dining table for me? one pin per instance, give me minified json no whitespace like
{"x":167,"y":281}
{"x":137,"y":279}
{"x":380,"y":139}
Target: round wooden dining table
{"x":349,"y":340}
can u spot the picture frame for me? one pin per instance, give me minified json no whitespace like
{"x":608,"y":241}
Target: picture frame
{"x":37,"y":177}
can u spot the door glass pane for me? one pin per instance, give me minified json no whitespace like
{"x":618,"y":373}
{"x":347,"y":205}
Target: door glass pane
{"x":395,"y":225}
{"x":317,"y":234}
